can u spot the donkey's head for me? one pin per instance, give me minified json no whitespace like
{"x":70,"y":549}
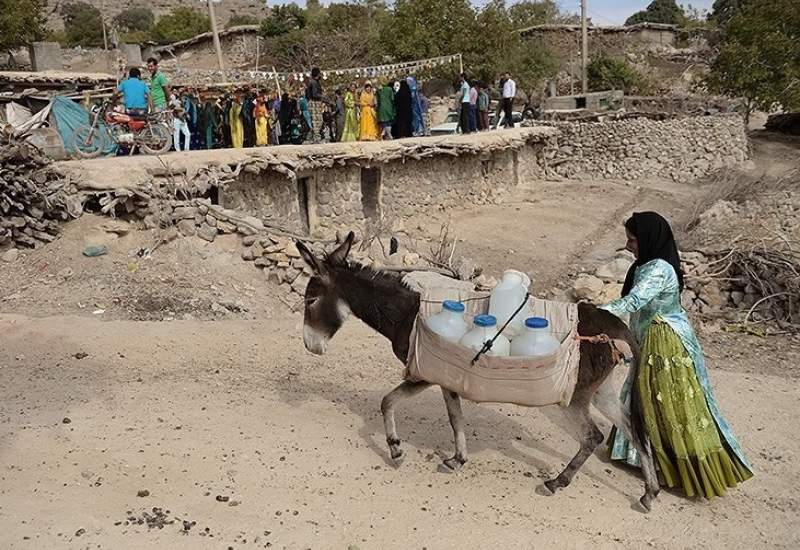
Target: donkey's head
{"x":325,"y":308}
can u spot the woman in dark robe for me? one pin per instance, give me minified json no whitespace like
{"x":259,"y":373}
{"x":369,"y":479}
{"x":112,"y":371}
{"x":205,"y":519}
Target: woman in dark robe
{"x":249,"y":120}
{"x":402,"y":101}
{"x":285,"y":118}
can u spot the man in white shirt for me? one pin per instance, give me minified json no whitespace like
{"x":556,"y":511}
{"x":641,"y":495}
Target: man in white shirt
{"x":464,"y":107}
{"x":509,"y":93}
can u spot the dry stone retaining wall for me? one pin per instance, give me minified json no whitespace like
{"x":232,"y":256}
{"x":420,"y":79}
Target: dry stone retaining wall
{"x":681,"y":149}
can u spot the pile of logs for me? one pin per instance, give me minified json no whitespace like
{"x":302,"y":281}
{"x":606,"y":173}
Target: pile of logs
{"x":32,"y":199}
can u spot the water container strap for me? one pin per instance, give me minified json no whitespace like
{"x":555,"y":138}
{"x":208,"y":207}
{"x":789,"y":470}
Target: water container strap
{"x":487,"y":345}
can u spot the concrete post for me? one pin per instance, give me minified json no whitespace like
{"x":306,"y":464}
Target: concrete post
{"x":132,"y":54}
{"x":46,"y":56}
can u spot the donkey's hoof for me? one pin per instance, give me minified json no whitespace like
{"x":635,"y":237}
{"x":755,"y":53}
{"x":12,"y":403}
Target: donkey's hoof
{"x":552,"y":485}
{"x":646,"y":503}
{"x":398,"y":457}
{"x":450,"y":465}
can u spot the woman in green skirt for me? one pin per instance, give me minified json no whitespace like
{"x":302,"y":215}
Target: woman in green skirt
{"x":693,"y":446}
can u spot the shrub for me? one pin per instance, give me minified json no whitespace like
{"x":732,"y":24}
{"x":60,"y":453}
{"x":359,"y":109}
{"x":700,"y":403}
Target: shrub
{"x":135,"y":19}
{"x":237,"y":19}
{"x":606,"y":73}
{"x":181,"y":24}
{"x":83,"y":24}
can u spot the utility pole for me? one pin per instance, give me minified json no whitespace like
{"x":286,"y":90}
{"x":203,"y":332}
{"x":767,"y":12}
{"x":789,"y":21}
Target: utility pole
{"x":215,"y":33}
{"x":103,"y":21}
{"x":584,"y":49}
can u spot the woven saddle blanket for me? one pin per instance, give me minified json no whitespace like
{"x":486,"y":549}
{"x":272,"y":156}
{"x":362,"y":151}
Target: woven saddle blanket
{"x":531,"y":382}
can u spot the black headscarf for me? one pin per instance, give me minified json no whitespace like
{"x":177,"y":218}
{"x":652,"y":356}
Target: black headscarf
{"x":655,"y":239}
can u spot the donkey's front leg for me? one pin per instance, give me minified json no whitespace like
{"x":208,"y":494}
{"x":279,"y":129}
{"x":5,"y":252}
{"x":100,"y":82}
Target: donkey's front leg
{"x":405,"y":390}
{"x":453,"y":402}
{"x":590,"y":438}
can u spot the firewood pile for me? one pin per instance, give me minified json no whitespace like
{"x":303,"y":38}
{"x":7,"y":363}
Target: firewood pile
{"x":747,"y":238}
{"x":32,"y":198}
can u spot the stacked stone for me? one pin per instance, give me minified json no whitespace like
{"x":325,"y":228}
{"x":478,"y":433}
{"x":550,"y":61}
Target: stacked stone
{"x":280,"y":260}
{"x":276,"y":255}
{"x":31,"y":199}
{"x":681,"y":149}
{"x":710,"y":289}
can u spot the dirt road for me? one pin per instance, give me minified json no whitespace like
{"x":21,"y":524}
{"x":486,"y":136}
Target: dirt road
{"x":119,"y":377}
{"x":190,"y":411}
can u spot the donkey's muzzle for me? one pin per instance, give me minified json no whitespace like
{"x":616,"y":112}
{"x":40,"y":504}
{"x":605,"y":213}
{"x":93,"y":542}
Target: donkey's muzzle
{"x":315,"y":341}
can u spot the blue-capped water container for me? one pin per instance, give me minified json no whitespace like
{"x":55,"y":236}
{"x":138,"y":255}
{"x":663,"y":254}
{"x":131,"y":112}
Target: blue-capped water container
{"x":449,"y":323}
{"x":536,"y":339}
{"x":484,"y":329}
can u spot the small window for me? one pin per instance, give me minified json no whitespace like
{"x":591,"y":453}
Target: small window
{"x":371,"y":193}
{"x":580,"y":102}
{"x":302,"y":200}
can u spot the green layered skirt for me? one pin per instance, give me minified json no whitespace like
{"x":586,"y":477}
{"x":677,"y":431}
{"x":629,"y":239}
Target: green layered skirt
{"x":684,"y":438}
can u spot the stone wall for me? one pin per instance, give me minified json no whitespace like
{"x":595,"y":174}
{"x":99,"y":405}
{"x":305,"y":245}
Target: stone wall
{"x":239,"y":50}
{"x":357,"y":195}
{"x":681,"y":149}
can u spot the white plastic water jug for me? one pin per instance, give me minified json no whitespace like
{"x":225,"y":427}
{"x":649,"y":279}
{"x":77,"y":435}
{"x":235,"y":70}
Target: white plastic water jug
{"x":506,"y":298}
{"x":449,"y":323}
{"x":485,"y":329}
{"x":536,"y":340}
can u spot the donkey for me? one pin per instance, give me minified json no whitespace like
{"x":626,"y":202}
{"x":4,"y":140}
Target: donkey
{"x":338,"y":288}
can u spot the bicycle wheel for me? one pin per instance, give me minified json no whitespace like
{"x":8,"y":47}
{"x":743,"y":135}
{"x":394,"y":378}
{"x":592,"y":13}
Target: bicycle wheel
{"x":156,"y":139}
{"x":89,"y":142}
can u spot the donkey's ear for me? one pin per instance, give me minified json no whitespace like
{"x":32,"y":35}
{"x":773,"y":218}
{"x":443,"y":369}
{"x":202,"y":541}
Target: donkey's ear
{"x":308,"y":257}
{"x":339,"y":255}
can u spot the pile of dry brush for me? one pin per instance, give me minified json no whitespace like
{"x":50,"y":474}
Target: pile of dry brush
{"x":749,"y":231}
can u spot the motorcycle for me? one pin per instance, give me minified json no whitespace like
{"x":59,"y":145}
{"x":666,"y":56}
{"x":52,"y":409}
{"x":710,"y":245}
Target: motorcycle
{"x":151,"y":133}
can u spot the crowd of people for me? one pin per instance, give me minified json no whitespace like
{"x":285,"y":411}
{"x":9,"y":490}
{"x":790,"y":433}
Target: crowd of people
{"x":251,"y":117}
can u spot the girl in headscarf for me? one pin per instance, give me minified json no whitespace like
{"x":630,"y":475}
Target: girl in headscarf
{"x":369,"y":120}
{"x":351,"y":130}
{"x":693,"y":446}
{"x":236,"y":122}
{"x":417,"y":125}
{"x":261,"y":114}
{"x":403,"y":107}
{"x":306,"y":113}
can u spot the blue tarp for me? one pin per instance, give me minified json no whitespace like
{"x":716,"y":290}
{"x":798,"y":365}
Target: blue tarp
{"x":70,"y":115}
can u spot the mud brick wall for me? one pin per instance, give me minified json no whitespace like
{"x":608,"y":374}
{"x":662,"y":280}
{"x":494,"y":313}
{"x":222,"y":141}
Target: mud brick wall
{"x":357,"y":195}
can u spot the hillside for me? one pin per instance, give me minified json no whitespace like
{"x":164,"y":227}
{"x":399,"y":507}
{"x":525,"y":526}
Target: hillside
{"x":159,"y":7}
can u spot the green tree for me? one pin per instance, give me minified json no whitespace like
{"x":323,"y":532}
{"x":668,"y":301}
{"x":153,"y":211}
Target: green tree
{"x":238,"y":19}
{"x":722,"y":11}
{"x":610,"y":73}
{"x":20,"y":23}
{"x":659,"y":11}
{"x":759,"y":57}
{"x":181,"y":24}
{"x":429,"y":28}
{"x":135,"y":19}
{"x":283,"y":19}
{"x":528,"y":13}
{"x":83,"y":24}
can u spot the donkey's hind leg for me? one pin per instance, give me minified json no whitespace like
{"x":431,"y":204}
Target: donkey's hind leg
{"x":405,"y":390}
{"x":591,"y":437}
{"x":453,"y":403}
{"x":607,"y":401}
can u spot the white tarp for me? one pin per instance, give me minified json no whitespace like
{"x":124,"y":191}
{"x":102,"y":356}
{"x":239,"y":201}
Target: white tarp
{"x":22,"y":120}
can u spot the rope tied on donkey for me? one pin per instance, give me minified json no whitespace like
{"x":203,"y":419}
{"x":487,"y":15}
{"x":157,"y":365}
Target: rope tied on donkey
{"x":620,"y":350}
{"x":487,"y":345}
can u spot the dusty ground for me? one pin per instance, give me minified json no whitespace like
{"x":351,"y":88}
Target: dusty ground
{"x":120,"y":376}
